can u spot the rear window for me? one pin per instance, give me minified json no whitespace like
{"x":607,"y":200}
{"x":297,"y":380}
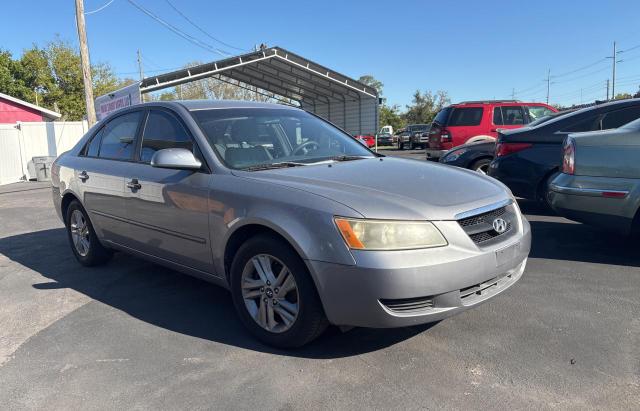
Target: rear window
{"x":466,"y":116}
{"x":441,"y":117}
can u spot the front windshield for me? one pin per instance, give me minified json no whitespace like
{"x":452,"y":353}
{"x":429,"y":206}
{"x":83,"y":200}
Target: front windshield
{"x":246,"y":138}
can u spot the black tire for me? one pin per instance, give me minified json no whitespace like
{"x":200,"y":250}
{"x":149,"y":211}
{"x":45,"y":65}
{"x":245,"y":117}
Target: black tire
{"x":481,"y":165}
{"x":97,"y":254}
{"x":543,"y":189}
{"x":310,"y":321}
{"x":400,"y":146}
{"x":412,"y":146}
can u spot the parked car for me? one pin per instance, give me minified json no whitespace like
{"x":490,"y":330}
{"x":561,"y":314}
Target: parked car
{"x":528,"y":159}
{"x":369,"y":141}
{"x":386,"y":130}
{"x":474,"y":156}
{"x":385,"y":139}
{"x":280,"y":207}
{"x":477,"y":156}
{"x":600,"y":179}
{"x":414,"y":135}
{"x":472,"y":121}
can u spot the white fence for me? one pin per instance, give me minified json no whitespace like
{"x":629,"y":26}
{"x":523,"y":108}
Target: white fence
{"x":20,"y":142}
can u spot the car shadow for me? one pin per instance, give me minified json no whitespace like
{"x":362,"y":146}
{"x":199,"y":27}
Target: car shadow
{"x":172,"y":300}
{"x":565,"y":240}
{"x":534,"y":208}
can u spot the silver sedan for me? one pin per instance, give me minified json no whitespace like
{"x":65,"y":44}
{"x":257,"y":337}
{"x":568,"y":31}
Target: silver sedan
{"x":305,"y":226}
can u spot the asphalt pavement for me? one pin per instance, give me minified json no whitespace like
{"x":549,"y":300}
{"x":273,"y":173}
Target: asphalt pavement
{"x":133,"y":335}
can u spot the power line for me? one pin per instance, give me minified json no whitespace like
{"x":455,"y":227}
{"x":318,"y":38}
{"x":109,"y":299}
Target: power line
{"x":177,"y":31}
{"x":99,"y":8}
{"x":201,"y":29}
{"x":600,"y":61}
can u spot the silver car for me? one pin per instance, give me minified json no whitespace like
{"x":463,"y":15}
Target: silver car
{"x":600,"y":179}
{"x":303,"y":224}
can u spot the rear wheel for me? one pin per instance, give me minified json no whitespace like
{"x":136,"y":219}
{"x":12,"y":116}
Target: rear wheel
{"x":82,"y":237}
{"x":400,"y":146}
{"x":481,"y":166}
{"x":274,"y":294}
{"x":543,"y":190}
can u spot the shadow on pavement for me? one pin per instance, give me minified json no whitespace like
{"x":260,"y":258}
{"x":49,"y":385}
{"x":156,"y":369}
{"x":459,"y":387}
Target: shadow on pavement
{"x":172,"y":300}
{"x":534,"y":208}
{"x":563,"y":240}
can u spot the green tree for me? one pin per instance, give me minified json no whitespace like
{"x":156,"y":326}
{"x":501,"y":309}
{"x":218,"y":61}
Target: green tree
{"x":390,"y":116}
{"x":425,"y":106}
{"x":55,"y":74}
{"x":622,"y":96}
{"x":371,"y":81}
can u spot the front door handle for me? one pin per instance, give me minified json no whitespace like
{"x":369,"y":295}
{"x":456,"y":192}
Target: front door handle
{"x":83,"y":176}
{"x":134,"y":184}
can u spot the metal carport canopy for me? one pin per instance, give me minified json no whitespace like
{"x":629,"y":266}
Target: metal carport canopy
{"x":344,"y":101}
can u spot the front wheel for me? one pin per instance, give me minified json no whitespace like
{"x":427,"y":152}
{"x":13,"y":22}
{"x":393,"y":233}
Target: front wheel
{"x":274,"y":294}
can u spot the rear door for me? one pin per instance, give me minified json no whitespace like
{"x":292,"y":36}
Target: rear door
{"x":168,"y":209}
{"x":100,"y":172}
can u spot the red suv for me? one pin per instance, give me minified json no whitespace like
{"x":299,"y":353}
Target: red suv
{"x":472,"y":121}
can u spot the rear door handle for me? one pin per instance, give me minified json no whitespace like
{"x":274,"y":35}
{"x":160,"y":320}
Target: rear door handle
{"x":83,"y":176}
{"x":134,"y":184}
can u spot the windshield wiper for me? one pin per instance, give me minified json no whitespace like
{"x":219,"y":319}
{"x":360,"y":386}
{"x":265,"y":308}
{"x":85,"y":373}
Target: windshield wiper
{"x":270,"y":166}
{"x":346,"y":158}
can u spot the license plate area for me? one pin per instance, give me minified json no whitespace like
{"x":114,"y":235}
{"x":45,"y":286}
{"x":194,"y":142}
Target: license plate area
{"x":507,"y":254}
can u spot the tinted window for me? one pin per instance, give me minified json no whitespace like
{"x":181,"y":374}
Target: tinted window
{"x":615,"y":119}
{"x":94,"y":145}
{"x":163,"y":130}
{"x":497,"y":116}
{"x":591,"y":123}
{"x":118,"y":137}
{"x":512,"y":115}
{"x":468,"y":116}
{"x":442,"y":116}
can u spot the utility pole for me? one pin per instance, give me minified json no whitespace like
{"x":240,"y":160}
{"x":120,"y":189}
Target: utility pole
{"x":140,"y":65}
{"x":548,"y":83}
{"x":607,"y":89}
{"x":614,"y":57}
{"x":513,"y":94}
{"x":613,"y":77}
{"x":139,"y":56}
{"x":86,"y":67}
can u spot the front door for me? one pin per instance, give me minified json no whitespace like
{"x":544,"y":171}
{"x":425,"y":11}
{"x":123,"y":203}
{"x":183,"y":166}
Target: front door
{"x":168,"y":209}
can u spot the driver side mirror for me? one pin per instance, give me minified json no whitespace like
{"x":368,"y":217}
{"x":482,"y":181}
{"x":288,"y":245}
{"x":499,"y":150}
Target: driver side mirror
{"x":176,"y":158}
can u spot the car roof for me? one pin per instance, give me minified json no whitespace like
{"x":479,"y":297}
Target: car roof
{"x":215,"y":104}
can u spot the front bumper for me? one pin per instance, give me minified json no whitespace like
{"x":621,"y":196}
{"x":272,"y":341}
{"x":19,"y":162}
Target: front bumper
{"x":434,"y":154}
{"x":441,"y":282}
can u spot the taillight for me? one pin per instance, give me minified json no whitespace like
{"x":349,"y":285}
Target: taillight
{"x":445,"y":135}
{"x":503,"y":149}
{"x":569,"y":156}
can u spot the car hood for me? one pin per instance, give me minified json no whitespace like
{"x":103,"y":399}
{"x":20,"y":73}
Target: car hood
{"x":392,"y":188}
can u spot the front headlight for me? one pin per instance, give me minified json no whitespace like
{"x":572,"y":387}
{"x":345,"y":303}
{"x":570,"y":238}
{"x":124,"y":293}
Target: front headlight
{"x":453,"y":156}
{"x":389,"y":235}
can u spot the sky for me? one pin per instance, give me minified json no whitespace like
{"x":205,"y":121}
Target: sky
{"x":471,"y":49}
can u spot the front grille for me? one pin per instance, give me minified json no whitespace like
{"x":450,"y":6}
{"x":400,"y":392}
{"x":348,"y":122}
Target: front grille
{"x":480,"y":227}
{"x":408,"y":305}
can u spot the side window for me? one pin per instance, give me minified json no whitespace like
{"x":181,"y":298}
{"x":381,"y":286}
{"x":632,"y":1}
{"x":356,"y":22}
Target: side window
{"x":163,"y":130}
{"x":512,"y":115}
{"x":118,"y":137}
{"x":589,"y":124}
{"x":91,"y":150}
{"x":535,"y":112}
{"x":497,"y":116}
{"x":615,"y":119}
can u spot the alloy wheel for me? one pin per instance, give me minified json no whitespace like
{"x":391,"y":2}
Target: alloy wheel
{"x":80,"y":233}
{"x":270,"y":293}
